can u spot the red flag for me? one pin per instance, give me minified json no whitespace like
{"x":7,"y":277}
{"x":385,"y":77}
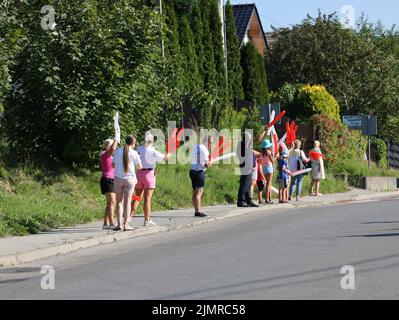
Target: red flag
{"x":271,"y":124}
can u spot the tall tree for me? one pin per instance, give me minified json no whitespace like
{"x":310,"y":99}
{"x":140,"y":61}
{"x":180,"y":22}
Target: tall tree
{"x":218,"y":47}
{"x":263,"y":89}
{"x":254,"y":78}
{"x":209,"y":67}
{"x":233,"y":55}
{"x":197,"y":27}
{"x":190,"y":63}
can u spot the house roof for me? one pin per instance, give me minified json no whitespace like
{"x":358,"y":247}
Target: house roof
{"x":243,"y":14}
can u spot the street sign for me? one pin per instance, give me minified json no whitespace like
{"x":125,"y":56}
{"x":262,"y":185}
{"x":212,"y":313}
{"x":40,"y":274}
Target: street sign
{"x":267,"y":109}
{"x":369,"y":127}
{"x":367,"y":124}
{"x":353,"y":122}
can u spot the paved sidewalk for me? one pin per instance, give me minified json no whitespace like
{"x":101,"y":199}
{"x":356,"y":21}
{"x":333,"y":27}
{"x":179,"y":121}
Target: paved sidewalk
{"x":18,"y":250}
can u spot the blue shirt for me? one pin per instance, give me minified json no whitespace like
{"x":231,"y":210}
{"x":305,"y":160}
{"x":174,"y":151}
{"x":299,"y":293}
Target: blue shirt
{"x":282,"y":174}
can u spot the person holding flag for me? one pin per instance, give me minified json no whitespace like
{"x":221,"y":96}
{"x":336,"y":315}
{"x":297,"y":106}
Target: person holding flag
{"x":318,"y":174}
{"x":146,"y":177}
{"x":200,"y":161}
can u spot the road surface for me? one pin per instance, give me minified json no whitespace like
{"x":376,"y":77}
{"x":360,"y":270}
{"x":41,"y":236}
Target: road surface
{"x":296,"y":254}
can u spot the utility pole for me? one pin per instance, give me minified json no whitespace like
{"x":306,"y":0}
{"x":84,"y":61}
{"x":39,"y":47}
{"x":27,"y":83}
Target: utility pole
{"x":162,"y":43}
{"x":222,"y":13}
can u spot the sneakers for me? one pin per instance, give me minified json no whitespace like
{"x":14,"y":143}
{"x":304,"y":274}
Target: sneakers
{"x":149,"y":223}
{"x":242,"y":205}
{"x":253,"y":205}
{"x":200,"y":215}
{"x":108,"y":227}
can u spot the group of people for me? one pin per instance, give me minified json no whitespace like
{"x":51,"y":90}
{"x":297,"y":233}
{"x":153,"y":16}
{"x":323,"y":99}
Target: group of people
{"x":287,"y":161}
{"x":126,"y":171}
{"x":129,"y":176}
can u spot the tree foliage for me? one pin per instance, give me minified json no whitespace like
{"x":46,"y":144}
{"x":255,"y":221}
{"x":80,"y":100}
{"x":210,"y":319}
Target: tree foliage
{"x":11,"y":39}
{"x":100,"y":58}
{"x":254,"y":78}
{"x":361,"y":76}
{"x":234,"y":68}
{"x":316,"y":100}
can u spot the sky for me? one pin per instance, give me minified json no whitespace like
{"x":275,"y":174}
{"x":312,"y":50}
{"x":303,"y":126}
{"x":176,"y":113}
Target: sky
{"x":283,"y":13}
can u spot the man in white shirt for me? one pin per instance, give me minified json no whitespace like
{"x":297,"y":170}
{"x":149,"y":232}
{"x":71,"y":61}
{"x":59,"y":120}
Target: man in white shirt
{"x":199,"y":163}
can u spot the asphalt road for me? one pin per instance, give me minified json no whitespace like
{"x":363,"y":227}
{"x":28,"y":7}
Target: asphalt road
{"x":296,"y":254}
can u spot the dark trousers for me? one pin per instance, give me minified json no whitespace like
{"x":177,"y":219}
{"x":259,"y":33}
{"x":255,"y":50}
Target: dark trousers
{"x":243,"y":192}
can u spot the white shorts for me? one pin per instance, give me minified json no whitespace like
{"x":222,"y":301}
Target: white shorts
{"x":254,"y":174}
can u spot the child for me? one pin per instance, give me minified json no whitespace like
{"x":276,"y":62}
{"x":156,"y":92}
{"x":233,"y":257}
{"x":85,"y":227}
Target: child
{"x":267,"y":168}
{"x":261,"y":181}
{"x":283,"y":176}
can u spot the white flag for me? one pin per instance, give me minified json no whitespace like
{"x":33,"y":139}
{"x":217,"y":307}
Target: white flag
{"x":117,"y":128}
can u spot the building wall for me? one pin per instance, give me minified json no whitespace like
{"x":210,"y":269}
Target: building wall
{"x":255,"y":35}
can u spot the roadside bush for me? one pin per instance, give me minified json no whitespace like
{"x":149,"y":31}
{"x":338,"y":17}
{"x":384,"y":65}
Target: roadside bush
{"x":303,"y":101}
{"x":337,"y":141}
{"x":315,"y":99}
{"x":382,"y":152}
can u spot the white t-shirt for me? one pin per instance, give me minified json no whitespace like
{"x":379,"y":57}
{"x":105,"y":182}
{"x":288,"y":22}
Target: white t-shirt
{"x":149,"y":157}
{"x":199,"y":157}
{"x":118,"y":162}
{"x":293,"y":160}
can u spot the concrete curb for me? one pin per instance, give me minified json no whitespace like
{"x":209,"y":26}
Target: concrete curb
{"x":71,"y":246}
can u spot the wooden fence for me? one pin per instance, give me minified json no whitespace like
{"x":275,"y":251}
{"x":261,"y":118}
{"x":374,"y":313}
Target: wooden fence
{"x":393,"y":155}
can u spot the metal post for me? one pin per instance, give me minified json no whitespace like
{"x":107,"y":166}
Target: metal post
{"x":162,"y":43}
{"x":368,"y":132}
{"x":225,"y":44}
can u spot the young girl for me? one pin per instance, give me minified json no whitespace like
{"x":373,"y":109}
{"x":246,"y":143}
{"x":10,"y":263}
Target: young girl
{"x":283,"y":176}
{"x":261,"y":181}
{"x":107,"y":181}
{"x":267,"y":168}
{"x":126,"y":161}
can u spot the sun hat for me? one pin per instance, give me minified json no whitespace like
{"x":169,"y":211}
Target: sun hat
{"x":266,"y":144}
{"x":285,"y":154}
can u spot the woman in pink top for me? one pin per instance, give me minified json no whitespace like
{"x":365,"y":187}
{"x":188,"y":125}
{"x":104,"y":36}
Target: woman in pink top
{"x":107,"y":181}
{"x":267,"y":167}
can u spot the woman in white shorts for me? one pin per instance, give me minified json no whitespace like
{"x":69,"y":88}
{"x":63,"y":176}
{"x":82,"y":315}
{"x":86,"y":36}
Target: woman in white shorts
{"x":126,"y":161}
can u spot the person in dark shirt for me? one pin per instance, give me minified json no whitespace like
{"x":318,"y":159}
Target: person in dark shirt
{"x":247,"y":157}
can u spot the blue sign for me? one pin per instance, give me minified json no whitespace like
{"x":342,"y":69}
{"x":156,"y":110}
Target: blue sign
{"x":367,"y":124}
{"x":353,"y":122}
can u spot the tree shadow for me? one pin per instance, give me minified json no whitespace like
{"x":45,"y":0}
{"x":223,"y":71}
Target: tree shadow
{"x":379,"y":222}
{"x":372,"y":235}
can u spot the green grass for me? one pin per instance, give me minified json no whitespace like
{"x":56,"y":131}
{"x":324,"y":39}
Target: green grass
{"x":34,"y":200}
{"x":360,"y":168}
